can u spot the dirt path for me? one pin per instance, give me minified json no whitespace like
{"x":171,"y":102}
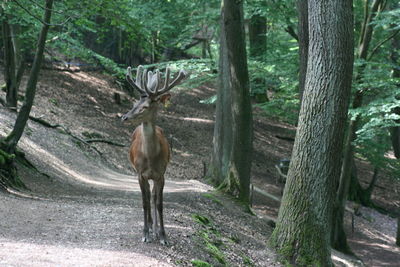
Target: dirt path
{"x":87,"y":211}
{"x":90,"y":214}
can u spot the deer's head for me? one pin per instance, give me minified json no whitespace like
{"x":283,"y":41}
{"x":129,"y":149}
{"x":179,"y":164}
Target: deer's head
{"x":153,"y":91}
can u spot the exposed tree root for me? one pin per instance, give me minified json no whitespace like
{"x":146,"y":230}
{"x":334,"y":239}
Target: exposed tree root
{"x":64,"y":130}
{"x":8,"y":172}
{"x":100,"y":140}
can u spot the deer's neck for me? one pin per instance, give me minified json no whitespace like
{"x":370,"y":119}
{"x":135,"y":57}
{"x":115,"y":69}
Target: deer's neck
{"x":150,"y":144}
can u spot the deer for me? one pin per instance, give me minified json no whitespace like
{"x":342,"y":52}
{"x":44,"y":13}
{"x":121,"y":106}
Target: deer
{"x":149,"y":152}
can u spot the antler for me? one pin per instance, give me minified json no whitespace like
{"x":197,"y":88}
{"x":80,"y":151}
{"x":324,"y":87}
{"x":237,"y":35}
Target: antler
{"x":138,"y":84}
{"x":149,"y":83}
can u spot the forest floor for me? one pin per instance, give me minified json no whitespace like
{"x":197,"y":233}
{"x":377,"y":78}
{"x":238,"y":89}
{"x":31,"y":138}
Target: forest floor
{"x":83,"y":206}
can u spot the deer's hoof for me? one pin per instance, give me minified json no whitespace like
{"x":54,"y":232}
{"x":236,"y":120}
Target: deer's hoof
{"x":146,"y":239}
{"x":164,"y":242}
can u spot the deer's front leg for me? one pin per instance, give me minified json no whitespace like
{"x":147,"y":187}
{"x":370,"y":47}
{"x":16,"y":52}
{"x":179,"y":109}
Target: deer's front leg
{"x":145,"y":188}
{"x":154,"y":202}
{"x":159,"y":187}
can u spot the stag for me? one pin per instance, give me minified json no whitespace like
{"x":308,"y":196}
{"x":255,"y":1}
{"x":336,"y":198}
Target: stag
{"x":149,"y":151}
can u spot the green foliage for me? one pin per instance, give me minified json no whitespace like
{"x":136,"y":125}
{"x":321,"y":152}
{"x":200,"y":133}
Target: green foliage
{"x":279,"y":69}
{"x":199,"y":263}
{"x":283,"y":106}
{"x":201,"y":219}
{"x":213,"y":198}
{"x":247,"y":261}
{"x":377,"y":115}
{"x":216,"y":252}
{"x":211,"y":238}
{"x":53,"y":101}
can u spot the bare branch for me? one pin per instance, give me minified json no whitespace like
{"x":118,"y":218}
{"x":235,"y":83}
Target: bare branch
{"x":382,"y":43}
{"x":38,"y":18}
{"x":100,"y":140}
{"x":45,"y":8}
{"x":289,"y":29}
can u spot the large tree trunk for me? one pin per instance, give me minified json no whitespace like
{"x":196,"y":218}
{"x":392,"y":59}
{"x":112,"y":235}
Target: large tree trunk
{"x":302,"y":10}
{"x":12,"y":139}
{"x":302,"y":233}
{"x":231,"y":159}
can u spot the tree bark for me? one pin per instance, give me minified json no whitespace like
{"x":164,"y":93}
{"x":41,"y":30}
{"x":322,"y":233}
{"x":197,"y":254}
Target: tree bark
{"x":348,"y":183}
{"x":302,"y":10}
{"x":23,"y":115}
{"x":10,"y":65}
{"x":258,"y":47}
{"x":258,"y":36}
{"x":395,"y":59}
{"x":231,"y":159}
{"x":364,"y":43}
{"x":398,"y":232}
{"x":302,"y":233}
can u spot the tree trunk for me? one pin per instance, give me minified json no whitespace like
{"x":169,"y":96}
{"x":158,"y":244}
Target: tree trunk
{"x":395,"y":59}
{"x":222,"y":134}
{"x":302,"y":9}
{"x":364,"y":43}
{"x":23,"y":115}
{"x":258,"y":47}
{"x":398,"y":232}
{"x":258,"y":36}
{"x":231,"y":159}
{"x":349,"y":185}
{"x":10,"y":65}
{"x":302,"y":233}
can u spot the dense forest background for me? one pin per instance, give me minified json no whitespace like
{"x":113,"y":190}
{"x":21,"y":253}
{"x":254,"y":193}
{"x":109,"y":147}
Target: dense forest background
{"x":257,"y":53}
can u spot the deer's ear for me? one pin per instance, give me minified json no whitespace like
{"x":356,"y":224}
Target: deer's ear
{"x":164,"y":99}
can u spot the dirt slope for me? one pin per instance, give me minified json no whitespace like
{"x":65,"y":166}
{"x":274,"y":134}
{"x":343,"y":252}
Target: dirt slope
{"x":88,"y":211}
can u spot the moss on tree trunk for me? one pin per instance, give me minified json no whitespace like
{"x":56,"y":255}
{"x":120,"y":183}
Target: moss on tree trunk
{"x":302,"y":233}
{"x":231,"y":158}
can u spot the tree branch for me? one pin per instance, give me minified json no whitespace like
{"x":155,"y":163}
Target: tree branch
{"x":100,"y":140}
{"x":38,"y":18}
{"x":45,"y":8}
{"x":68,"y":132}
{"x":289,"y":29}
{"x":382,"y":43}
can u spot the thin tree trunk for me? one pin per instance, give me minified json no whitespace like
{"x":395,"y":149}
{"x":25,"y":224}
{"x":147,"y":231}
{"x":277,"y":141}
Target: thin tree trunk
{"x":398,"y":232}
{"x":258,"y":36}
{"x":364,"y":43}
{"x":222,"y":134}
{"x":242,"y":122}
{"x":231,"y":159}
{"x":395,"y":59}
{"x":338,"y":237}
{"x":302,"y":10}
{"x":10,"y":65}
{"x":258,"y":47}
{"x":302,"y":233}
{"x":23,"y":115}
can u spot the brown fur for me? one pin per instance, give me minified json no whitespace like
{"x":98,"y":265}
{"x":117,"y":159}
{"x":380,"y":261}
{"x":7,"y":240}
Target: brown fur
{"x":136,"y":154}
